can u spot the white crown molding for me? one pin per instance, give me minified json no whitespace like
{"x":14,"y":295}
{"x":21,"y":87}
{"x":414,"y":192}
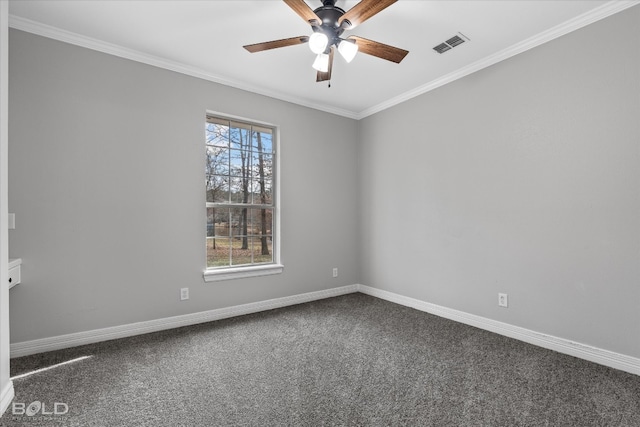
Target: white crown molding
{"x":561,"y":345}
{"x":88,"y":337}
{"x":576,"y":23}
{"x":55,"y":33}
{"x":601,"y":12}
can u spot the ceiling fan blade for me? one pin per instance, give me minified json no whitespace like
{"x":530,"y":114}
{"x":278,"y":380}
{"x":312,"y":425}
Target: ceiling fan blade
{"x":259,"y":47}
{"x":305,"y":12}
{"x":381,"y":50}
{"x":363,"y":11}
{"x":321,"y":77}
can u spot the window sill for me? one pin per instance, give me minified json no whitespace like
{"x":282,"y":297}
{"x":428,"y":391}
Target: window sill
{"x":217,"y":275}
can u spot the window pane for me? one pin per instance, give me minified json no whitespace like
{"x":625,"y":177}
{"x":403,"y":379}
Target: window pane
{"x":220,"y":221}
{"x":261,"y":166}
{"x":262,"y":249}
{"x":262,"y":140}
{"x":240,"y":190}
{"x":239,"y":137}
{"x":217,"y":189}
{"x":240,"y":163}
{"x":264,"y":160}
{"x":218,"y":252}
{"x":262,"y":192}
{"x":241,"y":255}
{"x":240,"y":222}
{"x":263,"y":222}
{"x":254,"y":192}
{"x":217,"y":160}
{"x":241,"y":244}
{"x":263,"y":178}
{"x":217,"y":135}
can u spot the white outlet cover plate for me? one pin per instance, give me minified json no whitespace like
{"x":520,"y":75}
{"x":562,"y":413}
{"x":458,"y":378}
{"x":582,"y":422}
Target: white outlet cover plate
{"x":503,"y":300}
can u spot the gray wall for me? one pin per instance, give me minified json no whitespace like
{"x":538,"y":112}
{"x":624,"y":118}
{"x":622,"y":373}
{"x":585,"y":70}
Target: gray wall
{"x":106,"y":180}
{"x":522,"y":178}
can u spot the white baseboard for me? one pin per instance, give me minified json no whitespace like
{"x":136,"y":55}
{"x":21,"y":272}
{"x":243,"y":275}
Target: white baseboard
{"x":561,"y":345}
{"x":6,"y":397}
{"x":81,"y":338}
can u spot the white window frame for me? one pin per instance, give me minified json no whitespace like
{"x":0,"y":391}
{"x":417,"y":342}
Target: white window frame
{"x":215,"y":274}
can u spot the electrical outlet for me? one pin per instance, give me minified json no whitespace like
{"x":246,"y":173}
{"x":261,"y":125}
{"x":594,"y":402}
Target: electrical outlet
{"x":503,"y":300}
{"x":335,"y":272}
{"x":184,"y":294}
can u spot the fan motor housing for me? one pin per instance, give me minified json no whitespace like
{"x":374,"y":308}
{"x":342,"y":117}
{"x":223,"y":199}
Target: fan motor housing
{"x":330,"y":14}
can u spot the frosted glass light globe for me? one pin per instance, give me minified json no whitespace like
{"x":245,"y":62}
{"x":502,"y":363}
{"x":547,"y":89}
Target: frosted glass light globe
{"x":348,"y":50}
{"x":321,"y":63}
{"x":318,"y":42}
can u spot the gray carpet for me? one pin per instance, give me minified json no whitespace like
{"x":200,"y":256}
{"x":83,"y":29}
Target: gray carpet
{"x":350,"y":360}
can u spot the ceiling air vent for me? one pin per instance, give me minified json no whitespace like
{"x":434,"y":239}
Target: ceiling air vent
{"x":454,"y":41}
{"x":442,"y":47}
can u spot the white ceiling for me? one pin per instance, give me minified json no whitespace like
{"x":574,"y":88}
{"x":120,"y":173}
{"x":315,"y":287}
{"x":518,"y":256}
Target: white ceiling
{"x":205,"y":39}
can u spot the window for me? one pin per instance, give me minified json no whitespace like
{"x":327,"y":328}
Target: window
{"x":240,"y":199}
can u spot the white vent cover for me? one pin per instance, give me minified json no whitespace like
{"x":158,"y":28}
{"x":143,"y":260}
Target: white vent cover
{"x":454,"y":41}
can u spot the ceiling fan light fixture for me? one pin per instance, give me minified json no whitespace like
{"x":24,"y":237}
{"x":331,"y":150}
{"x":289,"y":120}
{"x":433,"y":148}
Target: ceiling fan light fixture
{"x":318,"y":42}
{"x":321,"y":63}
{"x":328,"y":23}
{"x":348,"y":49}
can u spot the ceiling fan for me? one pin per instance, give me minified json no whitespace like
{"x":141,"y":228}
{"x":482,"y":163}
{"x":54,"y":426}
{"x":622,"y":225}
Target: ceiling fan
{"x":328,"y":22}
